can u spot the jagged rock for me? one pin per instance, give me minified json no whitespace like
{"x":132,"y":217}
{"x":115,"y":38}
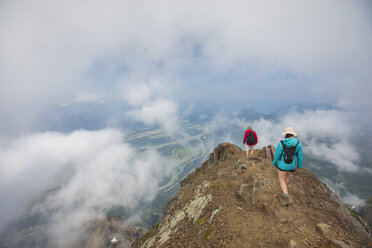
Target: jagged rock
{"x":240,"y":167}
{"x":264,"y":207}
{"x":184,"y":182}
{"x":242,"y":193}
{"x":323,"y":229}
{"x":267,"y":152}
{"x":219,"y":208}
{"x":192,"y":210}
{"x":257,"y":182}
{"x":222,"y":152}
{"x":241,"y":189}
{"x":213,"y":214}
{"x":366,"y":213}
{"x":200,"y":188}
{"x":292,"y":244}
{"x":195,"y":207}
{"x":111,"y":227}
{"x":283,"y":221}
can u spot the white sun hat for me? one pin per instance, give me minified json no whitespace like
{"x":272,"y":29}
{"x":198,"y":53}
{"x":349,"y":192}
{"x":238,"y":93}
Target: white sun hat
{"x":289,"y":130}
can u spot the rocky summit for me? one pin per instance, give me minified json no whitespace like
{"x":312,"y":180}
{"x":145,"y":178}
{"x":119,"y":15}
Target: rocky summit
{"x":234,"y":202}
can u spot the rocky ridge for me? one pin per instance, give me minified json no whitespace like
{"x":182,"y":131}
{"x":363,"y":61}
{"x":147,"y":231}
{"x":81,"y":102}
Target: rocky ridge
{"x":111,"y":232}
{"x":233,"y":202}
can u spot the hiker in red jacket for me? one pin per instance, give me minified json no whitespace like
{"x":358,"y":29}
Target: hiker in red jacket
{"x":250,"y":140}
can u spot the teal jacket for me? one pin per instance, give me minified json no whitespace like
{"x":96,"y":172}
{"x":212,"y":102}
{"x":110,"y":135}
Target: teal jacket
{"x":279,"y":158}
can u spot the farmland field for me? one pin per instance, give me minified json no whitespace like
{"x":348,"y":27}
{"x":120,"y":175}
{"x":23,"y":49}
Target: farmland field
{"x":189,"y":148}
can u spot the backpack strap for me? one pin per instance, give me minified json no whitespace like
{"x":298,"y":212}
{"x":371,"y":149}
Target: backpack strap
{"x":283,"y":144}
{"x":286,"y":146}
{"x":297,"y":145}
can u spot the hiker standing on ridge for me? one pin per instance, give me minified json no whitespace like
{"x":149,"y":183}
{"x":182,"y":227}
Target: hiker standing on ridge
{"x":285,"y":155}
{"x":250,"y":140}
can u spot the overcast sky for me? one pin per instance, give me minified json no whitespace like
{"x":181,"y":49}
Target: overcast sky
{"x":67,"y":52}
{"x":152,"y":61}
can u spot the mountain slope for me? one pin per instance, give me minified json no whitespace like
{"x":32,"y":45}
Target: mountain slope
{"x":108,"y":229}
{"x":232,"y":202}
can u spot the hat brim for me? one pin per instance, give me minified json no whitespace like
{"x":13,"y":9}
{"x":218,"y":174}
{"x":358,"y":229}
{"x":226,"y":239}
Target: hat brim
{"x":293,"y":133}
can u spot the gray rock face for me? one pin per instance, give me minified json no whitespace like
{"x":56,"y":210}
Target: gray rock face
{"x":366,"y":213}
{"x":108,"y":229}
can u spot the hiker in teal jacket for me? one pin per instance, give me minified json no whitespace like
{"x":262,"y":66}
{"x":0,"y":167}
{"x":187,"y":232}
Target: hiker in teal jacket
{"x":283,"y":168}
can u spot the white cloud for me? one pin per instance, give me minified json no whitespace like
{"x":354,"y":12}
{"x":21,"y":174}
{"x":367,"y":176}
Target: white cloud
{"x":102,"y":172}
{"x":352,"y":199}
{"x":344,"y":194}
{"x":64,"y":104}
{"x":160,"y":111}
{"x":325,"y":134}
{"x":137,"y":95}
{"x":53,"y":50}
{"x":152,"y":102}
{"x":89,"y":97}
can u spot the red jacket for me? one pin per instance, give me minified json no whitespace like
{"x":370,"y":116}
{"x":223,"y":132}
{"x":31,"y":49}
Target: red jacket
{"x":246,"y":134}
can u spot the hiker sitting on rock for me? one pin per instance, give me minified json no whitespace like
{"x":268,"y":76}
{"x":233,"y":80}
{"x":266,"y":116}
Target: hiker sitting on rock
{"x":250,"y":140}
{"x":287,"y":154}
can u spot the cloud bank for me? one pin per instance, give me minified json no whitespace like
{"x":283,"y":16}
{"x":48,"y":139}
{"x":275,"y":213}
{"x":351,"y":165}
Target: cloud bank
{"x":88,"y":97}
{"x":51,"y":52}
{"x":99,"y":170}
{"x":155,"y":56}
{"x":152,"y":104}
{"x":344,"y":194}
{"x":325,"y":134}
{"x":335,"y":145}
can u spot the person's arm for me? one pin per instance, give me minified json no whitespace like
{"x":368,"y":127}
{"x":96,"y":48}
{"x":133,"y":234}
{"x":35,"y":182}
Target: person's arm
{"x":255,"y":136}
{"x":278,"y":153}
{"x":245,"y":136}
{"x":300,"y":158}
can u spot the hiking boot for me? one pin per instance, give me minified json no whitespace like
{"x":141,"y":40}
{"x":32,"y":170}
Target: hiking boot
{"x":285,"y":200}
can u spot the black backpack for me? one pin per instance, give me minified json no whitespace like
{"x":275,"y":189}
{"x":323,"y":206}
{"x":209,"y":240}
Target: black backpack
{"x":250,"y":138}
{"x":289,"y":152}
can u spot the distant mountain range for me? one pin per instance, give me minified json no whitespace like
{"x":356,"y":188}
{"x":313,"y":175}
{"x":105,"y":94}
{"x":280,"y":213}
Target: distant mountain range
{"x":251,"y":115}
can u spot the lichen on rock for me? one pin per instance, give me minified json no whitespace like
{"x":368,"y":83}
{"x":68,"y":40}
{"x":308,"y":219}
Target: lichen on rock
{"x":168,"y":225}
